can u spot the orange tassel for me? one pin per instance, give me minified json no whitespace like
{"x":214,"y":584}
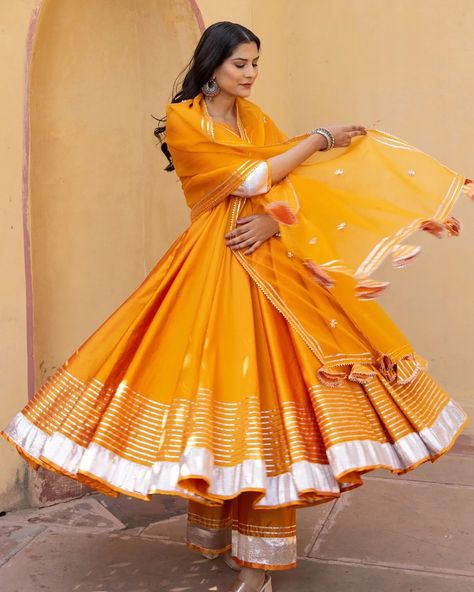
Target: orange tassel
{"x":453,"y":226}
{"x":433,"y":227}
{"x":468,"y":188}
{"x":368,"y":289}
{"x":281,"y":212}
{"x":387,"y":367}
{"x":319,"y":274}
{"x":403,"y":254}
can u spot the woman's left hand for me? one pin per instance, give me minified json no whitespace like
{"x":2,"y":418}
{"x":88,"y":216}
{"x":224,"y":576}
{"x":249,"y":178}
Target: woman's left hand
{"x":251,"y":232}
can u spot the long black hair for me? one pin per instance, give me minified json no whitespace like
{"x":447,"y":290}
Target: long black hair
{"x":217,"y":43}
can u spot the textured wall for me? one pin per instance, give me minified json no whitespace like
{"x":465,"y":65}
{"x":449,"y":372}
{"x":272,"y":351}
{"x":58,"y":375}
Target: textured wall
{"x":15,"y":19}
{"x":102,"y":208}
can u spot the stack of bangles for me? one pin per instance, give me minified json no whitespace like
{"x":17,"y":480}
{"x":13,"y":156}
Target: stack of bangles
{"x":326,"y":134}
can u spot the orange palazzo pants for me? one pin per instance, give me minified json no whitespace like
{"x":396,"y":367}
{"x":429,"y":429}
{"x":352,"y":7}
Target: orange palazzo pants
{"x":265,"y":539}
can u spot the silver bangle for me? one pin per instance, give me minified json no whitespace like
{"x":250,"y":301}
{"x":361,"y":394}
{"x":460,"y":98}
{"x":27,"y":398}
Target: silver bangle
{"x":326,"y":134}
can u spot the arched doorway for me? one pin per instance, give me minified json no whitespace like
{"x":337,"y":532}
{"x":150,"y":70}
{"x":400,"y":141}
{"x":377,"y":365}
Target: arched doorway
{"x":101,"y":209}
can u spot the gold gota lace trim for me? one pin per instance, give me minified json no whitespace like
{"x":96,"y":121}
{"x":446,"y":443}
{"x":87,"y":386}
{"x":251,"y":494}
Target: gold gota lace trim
{"x":394,"y":142}
{"x":264,"y":531}
{"x":145,"y":431}
{"x":235,"y":180}
{"x":271,"y":552}
{"x":208,"y":539}
{"x":377,"y":255}
{"x":242,"y":527}
{"x":344,"y":410}
{"x":224,"y":189}
{"x":132,"y":426}
{"x":208,"y":123}
{"x":259,"y":547}
{"x":402,"y":255}
{"x":242,"y":130}
{"x":110,"y":473}
{"x":214,"y":523}
{"x":446,"y":204}
{"x":340,"y":359}
{"x":269,"y":291}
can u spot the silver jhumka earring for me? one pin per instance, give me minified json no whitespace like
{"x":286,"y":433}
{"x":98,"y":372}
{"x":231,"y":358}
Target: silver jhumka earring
{"x":211,"y":88}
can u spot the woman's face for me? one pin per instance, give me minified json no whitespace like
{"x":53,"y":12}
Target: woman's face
{"x":238,"y":72}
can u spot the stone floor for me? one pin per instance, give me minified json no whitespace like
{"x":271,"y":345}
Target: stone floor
{"x":413,"y":533}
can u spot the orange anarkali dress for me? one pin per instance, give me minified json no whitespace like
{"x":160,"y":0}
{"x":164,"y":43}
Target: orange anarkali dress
{"x":238,"y":382}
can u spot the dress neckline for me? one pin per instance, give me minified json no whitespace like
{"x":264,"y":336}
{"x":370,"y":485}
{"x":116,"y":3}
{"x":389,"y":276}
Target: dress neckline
{"x":239,"y":132}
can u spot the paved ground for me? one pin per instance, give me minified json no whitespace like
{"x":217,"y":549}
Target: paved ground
{"x":394,"y":534}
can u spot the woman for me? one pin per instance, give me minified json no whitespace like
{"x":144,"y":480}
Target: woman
{"x":239,"y":374}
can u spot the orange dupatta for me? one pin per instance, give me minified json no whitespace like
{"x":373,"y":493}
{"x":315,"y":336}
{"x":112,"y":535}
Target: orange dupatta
{"x":340,"y":211}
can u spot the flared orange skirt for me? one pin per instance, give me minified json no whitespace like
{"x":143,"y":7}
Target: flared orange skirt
{"x":198,"y":386}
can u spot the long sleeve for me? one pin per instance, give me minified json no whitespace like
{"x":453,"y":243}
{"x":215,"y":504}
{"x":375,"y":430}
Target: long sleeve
{"x":258,"y":182}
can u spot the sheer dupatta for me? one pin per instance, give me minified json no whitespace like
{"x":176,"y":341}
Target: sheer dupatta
{"x":340,"y":213}
{"x":343,"y":211}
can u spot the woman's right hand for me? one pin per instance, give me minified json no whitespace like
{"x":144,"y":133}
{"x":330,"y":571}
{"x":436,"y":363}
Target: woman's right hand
{"x":343,"y":134}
